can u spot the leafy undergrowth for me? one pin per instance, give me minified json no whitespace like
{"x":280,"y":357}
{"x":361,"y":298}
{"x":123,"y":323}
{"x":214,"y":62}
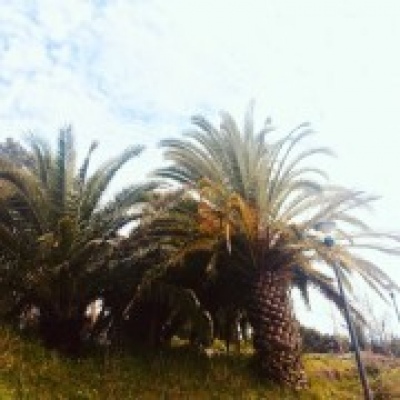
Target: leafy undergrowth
{"x":27,"y":371}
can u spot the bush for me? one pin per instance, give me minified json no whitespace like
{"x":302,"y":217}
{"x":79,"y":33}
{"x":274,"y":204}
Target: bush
{"x":395,"y":347}
{"x":317,"y":342}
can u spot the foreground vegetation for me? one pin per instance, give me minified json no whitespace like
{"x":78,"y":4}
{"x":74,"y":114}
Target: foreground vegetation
{"x":27,"y":370}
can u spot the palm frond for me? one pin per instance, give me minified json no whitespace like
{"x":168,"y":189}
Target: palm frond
{"x":85,"y":166}
{"x":99,"y":181}
{"x":43,"y":157}
{"x":62,"y":172}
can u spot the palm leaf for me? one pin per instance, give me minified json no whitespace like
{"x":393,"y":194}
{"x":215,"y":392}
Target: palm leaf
{"x":99,"y":181}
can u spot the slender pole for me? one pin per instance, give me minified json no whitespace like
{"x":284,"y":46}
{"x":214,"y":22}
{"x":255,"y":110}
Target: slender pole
{"x":395,"y":304}
{"x":360,"y":366}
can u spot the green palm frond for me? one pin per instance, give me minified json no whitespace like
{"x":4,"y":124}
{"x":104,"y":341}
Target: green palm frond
{"x":28,"y":200}
{"x":43,"y":157}
{"x":99,"y":181}
{"x":61,"y":173}
{"x":85,"y":166}
{"x":326,"y":287}
{"x":119,"y":210}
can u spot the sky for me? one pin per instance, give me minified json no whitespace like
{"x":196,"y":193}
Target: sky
{"x":134,"y":72}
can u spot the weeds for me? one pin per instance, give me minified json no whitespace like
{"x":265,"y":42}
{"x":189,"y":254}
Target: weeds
{"x":27,"y":371}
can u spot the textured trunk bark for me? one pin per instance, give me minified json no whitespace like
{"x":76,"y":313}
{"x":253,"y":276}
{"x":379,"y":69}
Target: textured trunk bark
{"x":276,"y":337}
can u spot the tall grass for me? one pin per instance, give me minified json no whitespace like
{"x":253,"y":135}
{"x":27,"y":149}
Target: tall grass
{"x":27,"y":371}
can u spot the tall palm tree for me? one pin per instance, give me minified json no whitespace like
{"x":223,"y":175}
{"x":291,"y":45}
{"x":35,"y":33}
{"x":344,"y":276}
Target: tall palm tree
{"x":260,"y":203}
{"x":57,"y":235}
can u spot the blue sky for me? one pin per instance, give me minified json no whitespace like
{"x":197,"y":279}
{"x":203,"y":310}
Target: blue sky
{"x":133,"y":72}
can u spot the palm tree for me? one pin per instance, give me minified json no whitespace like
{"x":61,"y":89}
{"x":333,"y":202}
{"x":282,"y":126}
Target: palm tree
{"x":57,"y":235}
{"x":164,"y":301}
{"x":259,"y":203}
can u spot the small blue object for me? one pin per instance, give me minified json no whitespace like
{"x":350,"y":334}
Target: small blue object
{"x":328,"y":241}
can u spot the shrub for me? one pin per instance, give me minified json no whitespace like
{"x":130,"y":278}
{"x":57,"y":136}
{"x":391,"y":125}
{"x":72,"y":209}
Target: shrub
{"x":317,"y":342}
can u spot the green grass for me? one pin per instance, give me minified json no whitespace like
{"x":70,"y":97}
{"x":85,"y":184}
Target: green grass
{"x":27,"y":371}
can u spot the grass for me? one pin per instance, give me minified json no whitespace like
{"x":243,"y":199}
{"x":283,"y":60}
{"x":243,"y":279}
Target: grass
{"x":27,"y":371}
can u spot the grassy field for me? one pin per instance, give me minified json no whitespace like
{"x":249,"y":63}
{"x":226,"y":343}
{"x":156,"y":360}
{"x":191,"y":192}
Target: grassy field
{"x":27,"y":371}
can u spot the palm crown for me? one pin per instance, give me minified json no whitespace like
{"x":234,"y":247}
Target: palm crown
{"x":262,"y":189}
{"x":56,"y":233}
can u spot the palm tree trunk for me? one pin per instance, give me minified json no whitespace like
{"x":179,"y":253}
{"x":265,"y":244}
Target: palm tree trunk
{"x":276,"y":337}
